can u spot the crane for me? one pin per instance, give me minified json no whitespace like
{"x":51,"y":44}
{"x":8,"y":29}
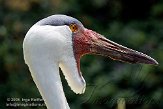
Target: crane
{"x":59,"y":41}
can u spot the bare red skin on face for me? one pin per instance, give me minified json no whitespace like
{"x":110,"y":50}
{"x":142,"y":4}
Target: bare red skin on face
{"x":82,"y":41}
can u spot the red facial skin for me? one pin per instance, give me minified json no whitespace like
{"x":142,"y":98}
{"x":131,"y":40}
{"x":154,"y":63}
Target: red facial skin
{"x":81,"y":45}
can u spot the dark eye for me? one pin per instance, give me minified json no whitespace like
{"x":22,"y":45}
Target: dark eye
{"x":73,"y":27}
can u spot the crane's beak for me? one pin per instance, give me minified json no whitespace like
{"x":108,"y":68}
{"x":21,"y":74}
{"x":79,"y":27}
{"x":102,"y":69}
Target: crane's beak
{"x":98,"y":44}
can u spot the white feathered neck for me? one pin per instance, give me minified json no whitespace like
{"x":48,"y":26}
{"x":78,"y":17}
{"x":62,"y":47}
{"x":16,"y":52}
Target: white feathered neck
{"x":46,"y":48}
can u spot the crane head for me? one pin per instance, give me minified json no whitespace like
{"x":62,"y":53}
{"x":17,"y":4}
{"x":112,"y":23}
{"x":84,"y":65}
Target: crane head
{"x":86,"y":41}
{"x":71,"y":40}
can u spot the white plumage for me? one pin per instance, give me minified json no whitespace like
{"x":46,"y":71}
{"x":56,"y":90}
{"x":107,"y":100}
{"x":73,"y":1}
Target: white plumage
{"x":46,"y":48}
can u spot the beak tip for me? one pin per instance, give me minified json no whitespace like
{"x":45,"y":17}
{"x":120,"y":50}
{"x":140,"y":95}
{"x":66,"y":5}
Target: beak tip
{"x":153,"y":62}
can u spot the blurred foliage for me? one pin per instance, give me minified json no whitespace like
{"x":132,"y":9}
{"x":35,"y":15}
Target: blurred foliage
{"x":135,"y":23}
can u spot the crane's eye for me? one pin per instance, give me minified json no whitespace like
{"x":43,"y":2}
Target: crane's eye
{"x":73,"y":27}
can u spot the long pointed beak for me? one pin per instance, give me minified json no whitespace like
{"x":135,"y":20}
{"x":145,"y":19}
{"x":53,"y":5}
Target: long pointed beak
{"x":100,"y":45}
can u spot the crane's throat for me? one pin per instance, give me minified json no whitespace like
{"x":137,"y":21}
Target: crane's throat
{"x":81,"y":46}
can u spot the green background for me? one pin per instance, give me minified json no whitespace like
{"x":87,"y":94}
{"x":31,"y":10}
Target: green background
{"x":137,"y":24}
